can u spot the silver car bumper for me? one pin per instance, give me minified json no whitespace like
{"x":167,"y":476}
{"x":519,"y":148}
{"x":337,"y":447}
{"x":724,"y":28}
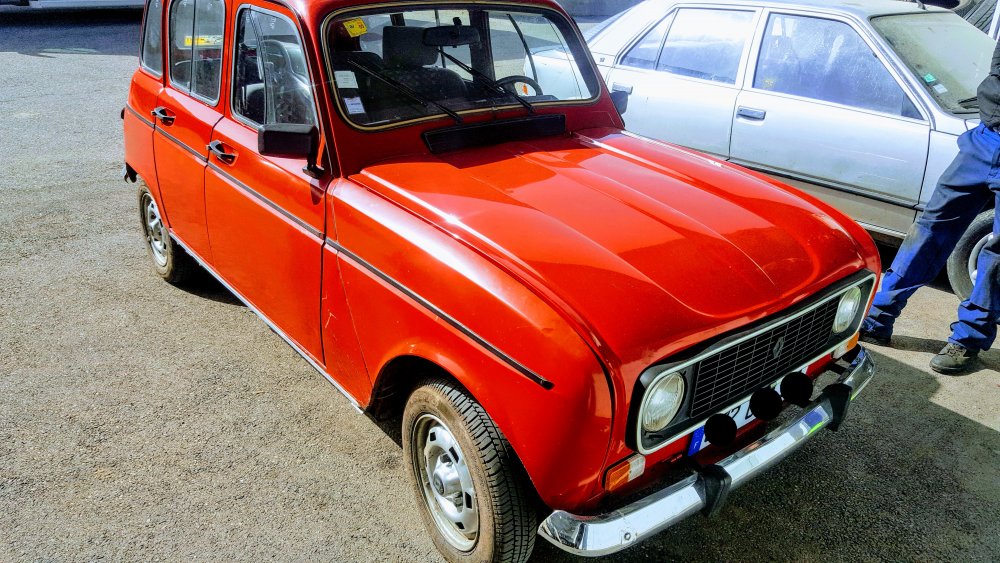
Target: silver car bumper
{"x":706,"y":491}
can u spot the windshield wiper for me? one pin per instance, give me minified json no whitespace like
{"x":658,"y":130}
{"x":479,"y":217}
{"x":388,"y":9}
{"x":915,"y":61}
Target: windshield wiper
{"x":405,"y":90}
{"x":489,"y":81}
{"x":968,"y":101}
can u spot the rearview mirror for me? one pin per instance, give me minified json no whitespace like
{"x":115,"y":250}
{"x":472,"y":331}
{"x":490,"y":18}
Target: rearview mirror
{"x":620,"y":99}
{"x":290,"y":140}
{"x":451,"y":36}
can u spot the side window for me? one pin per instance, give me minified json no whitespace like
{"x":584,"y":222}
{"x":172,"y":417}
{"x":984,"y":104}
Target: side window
{"x":195,"y":32}
{"x":706,"y":44}
{"x":271,"y":79}
{"x":826,"y":60}
{"x":179,"y":33}
{"x":152,"y":44}
{"x":644,"y":53}
{"x":209,"y":29}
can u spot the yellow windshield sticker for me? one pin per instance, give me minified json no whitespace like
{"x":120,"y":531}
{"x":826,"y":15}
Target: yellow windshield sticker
{"x":356,"y":27}
{"x":203,"y":40}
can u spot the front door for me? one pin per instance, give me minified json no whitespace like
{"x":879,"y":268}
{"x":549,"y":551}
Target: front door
{"x":683,"y":77}
{"x":186,"y":111}
{"x":266,"y":214}
{"x":823,"y":112}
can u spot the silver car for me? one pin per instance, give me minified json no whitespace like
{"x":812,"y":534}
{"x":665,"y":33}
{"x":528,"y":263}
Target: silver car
{"x":858,"y":103}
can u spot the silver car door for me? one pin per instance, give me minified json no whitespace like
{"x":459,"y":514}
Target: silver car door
{"x":683,"y":76}
{"x":822,"y":111}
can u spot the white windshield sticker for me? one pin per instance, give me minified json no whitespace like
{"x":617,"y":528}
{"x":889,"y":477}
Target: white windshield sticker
{"x":354,"y":105}
{"x":940,"y":89}
{"x":345,"y":79}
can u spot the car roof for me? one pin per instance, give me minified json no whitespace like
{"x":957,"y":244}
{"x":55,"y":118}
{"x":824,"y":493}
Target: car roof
{"x":312,"y":9}
{"x":860,"y":8}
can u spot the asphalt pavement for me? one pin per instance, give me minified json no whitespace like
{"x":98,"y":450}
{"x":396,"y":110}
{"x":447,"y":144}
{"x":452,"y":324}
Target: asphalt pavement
{"x":141,"y":421}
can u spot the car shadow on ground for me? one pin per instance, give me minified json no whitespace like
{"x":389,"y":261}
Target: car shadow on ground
{"x":92,"y":32}
{"x":846,"y":488}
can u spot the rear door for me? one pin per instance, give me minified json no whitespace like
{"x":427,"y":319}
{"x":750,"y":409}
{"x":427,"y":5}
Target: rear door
{"x":266,"y":214}
{"x":683,"y":76}
{"x":823,"y":111}
{"x":186,"y":111}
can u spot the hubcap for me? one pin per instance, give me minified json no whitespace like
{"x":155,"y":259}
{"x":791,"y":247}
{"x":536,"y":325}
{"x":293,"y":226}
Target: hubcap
{"x":444,"y":478}
{"x":974,"y":256}
{"x":156,"y":232}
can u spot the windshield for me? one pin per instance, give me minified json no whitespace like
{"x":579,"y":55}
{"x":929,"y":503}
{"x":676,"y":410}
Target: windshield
{"x":393,"y":65}
{"x":947,"y":54}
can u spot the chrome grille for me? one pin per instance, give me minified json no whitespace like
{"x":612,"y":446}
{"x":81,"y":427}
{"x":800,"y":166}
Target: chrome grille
{"x":738,"y":370}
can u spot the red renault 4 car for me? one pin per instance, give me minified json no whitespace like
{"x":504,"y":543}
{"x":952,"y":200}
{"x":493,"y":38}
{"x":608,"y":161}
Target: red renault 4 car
{"x":583,"y":332}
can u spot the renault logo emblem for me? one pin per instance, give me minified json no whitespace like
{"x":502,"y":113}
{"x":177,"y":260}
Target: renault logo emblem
{"x":778,"y":347}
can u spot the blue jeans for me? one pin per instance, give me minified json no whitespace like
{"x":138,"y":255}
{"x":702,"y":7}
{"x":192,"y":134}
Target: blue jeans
{"x":965,"y":188}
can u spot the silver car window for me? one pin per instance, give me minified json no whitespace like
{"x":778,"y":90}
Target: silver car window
{"x":947,"y":54}
{"x":706,"y":44}
{"x":644,"y":53}
{"x":826,"y":60}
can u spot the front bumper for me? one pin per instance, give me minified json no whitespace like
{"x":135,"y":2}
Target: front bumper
{"x":706,"y":490}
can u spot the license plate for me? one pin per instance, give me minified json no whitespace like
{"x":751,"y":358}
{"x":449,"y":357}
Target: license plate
{"x":741,"y":414}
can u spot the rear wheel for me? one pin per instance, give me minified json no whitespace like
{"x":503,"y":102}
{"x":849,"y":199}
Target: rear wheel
{"x":170,"y":262}
{"x":471,"y":489}
{"x":962,"y":263}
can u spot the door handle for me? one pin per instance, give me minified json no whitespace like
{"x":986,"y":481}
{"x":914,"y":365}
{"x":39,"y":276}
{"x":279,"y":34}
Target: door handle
{"x":218,"y":149}
{"x":616,"y":87}
{"x":751,"y":113}
{"x":161,"y":114}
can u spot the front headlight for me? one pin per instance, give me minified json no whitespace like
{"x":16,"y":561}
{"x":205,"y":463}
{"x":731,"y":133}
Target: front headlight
{"x":661,"y":403}
{"x":847,"y":309}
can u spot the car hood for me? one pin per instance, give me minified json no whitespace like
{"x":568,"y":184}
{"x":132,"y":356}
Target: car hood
{"x":644,"y":247}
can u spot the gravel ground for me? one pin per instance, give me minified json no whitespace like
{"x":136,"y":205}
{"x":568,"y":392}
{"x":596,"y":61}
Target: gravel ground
{"x":143,"y":421}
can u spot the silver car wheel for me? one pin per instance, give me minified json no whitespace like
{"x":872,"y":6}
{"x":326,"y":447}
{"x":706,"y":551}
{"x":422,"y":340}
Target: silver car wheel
{"x":156,"y":232}
{"x":974,"y":256}
{"x":444,"y":477}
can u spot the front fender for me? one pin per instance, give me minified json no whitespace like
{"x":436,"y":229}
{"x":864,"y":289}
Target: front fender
{"x":413,"y":290}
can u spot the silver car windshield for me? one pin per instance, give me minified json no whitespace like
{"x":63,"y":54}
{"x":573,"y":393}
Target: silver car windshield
{"x":946,"y":53}
{"x":397,"y":64}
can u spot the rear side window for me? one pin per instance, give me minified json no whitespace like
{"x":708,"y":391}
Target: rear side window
{"x":706,"y":44}
{"x":271,"y":80}
{"x":152,"y":44}
{"x":827,"y":60}
{"x":646,"y":51}
{"x":196,"y":29}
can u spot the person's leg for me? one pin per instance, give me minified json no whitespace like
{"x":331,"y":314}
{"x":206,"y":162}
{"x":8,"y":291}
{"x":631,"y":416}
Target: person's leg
{"x":976,"y":328}
{"x":960,"y":195}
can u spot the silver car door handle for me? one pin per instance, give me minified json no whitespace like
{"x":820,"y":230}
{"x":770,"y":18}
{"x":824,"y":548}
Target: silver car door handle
{"x":751,"y":113}
{"x":616,"y":87}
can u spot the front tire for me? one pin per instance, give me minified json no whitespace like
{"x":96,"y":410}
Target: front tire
{"x":170,"y":262}
{"x":962,"y":262}
{"x":471,"y":489}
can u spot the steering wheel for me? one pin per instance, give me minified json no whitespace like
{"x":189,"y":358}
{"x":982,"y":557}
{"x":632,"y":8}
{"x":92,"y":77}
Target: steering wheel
{"x":507,"y":83}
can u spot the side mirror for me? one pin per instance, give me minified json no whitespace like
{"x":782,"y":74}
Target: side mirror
{"x":620,"y":99}
{"x":291,"y":140}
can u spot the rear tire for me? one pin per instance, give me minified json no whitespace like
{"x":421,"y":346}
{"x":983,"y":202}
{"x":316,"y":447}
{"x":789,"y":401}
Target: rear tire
{"x":170,"y":262}
{"x":962,"y":262}
{"x":484,"y":489}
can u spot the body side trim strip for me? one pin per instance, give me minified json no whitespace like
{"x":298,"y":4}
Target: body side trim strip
{"x":268,"y":322}
{"x":141,"y":117}
{"x":544,"y":383}
{"x":182,"y":144}
{"x":287,"y":214}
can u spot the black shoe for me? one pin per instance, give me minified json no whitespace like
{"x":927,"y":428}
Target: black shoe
{"x":872,"y":338}
{"x":953,"y":359}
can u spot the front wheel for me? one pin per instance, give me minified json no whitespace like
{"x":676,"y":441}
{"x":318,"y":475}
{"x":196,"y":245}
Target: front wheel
{"x":472,"y":490}
{"x":963,"y":262}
